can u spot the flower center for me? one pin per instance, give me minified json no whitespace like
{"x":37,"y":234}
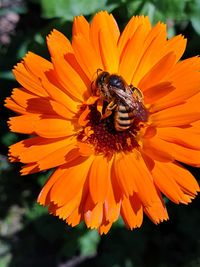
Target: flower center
{"x":103,"y":135}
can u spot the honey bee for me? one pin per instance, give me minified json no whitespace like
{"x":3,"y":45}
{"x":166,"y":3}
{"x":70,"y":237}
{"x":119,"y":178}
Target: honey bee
{"x":126,"y":101}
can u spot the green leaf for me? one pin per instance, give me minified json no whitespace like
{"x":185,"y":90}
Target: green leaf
{"x":89,"y":242}
{"x":196,"y":24}
{"x":5,"y":260}
{"x":36,"y":211}
{"x":159,"y":10}
{"x":4,"y":164}
{"x":7,"y":75}
{"x":193,"y":11}
{"x":8,"y":139}
{"x":171,"y":8}
{"x":69,"y":8}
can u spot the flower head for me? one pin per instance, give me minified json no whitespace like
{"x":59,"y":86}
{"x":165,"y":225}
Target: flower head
{"x":116,"y":114}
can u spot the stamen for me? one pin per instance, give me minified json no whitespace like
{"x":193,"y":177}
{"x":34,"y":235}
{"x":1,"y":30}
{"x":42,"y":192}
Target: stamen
{"x":101,"y":133}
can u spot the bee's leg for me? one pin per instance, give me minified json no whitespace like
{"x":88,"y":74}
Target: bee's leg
{"x":112,"y":105}
{"x":106,"y":114}
{"x":131,"y":133}
{"x":132,"y":87}
{"x":138,"y":93}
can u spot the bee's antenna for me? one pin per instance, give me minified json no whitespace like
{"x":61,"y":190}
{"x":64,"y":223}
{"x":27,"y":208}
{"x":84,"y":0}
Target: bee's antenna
{"x":98,"y":71}
{"x":95,"y":74}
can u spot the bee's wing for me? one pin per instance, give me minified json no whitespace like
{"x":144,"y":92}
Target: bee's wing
{"x":126,"y":97}
{"x":131,"y":102}
{"x":141,"y":112}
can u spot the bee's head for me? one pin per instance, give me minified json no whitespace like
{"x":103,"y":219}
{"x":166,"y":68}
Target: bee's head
{"x":102,"y":79}
{"x":102,"y":86}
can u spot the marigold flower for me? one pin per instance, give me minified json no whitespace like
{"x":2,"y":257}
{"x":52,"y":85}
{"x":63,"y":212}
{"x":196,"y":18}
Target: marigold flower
{"x":103,"y":172}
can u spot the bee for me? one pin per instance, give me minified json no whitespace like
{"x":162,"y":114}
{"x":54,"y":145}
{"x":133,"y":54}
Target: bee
{"x":126,"y":101}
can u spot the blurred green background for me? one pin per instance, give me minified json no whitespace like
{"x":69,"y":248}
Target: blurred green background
{"x":29,"y":237}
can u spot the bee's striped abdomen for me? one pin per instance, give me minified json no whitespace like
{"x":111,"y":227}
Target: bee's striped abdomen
{"x":123,"y":118}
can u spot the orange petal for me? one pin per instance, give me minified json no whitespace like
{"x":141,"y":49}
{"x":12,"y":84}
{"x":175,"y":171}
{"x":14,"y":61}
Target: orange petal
{"x":93,"y":216}
{"x":53,"y":128}
{"x":179,"y":153}
{"x":61,"y":110}
{"x":85,"y":52}
{"x":81,"y":26}
{"x":43,"y":197}
{"x":72,"y":211}
{"x":145,"y":188}
{"x":60,"y":47}
{"x":29,"y":169}
{"x":9,"y":103}
{"x":82,"y":120}
{"x":45,"y":73}
{"x":132,"y":53}
{"x":194,"y":127}
{"x":30,"y":79}
{"x":31,"y":63}
{"x":112,"y":202}
{"x":134,"y":23}
{"x":21,"y":96}
{"x":164,"y":179}
{"x":177,"y":44}
{"x":69,"y":79}
{"x":179,"y":136}
{"x":132,"y":212}
{"x":16,"y":149}
{"x":139,"y":180}
{"x":70,"y":182}
{"x":67,"y":209}
{"x":151,"y":51}
{"x":157,"y":212}
{"x":154,"y":153}
{"x":61,"y":50}
{"x":109,"y":52}
{"x":55,"y":90}
{"x":74,"y":218}
{"x":176,"y":116}
{"x":36,"y":148}
{"x":184,"y":179}
{"x":154,"y":93}
{"x":59,"y":157}
{"x":111,"y":207}
{"x":98,"y":179}
{"x":103,"y":20}
{"x":104,"y":228}
{"x":186,"y":79}
{"x":158,"y":72}
{"x":85,"y":149}
{"x":126,"y":182}
{"x":58,"y":43}
{"x":42,"y":105}
{"x":24,"y":123}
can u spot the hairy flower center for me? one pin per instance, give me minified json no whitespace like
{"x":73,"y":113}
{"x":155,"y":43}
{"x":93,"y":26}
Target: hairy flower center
{"x":102,"y":134}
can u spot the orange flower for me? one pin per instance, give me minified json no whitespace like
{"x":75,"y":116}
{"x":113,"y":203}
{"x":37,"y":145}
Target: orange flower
{"x":102,"y":171}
